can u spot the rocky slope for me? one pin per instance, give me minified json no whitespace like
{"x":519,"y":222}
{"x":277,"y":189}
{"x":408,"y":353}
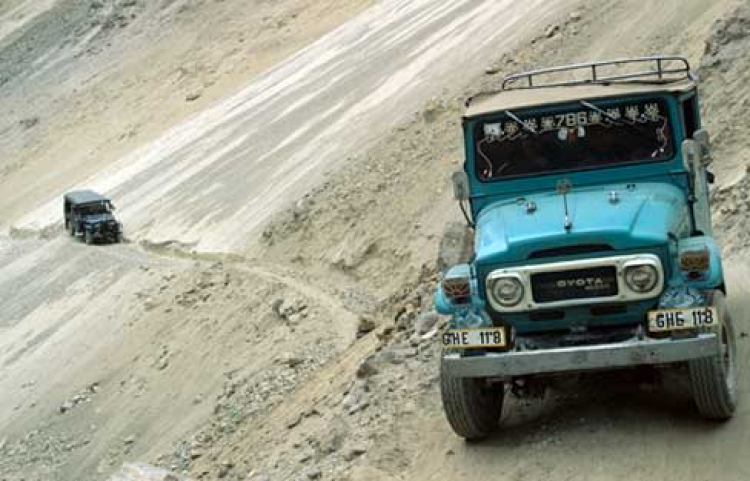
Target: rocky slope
{"x":723,"y":71}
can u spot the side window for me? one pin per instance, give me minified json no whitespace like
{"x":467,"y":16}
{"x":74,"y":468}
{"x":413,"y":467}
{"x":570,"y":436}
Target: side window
{"x":688,"y":117}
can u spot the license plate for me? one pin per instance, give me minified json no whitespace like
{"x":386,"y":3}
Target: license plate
{"x":473,"y":338}
{"x":665,"y":320}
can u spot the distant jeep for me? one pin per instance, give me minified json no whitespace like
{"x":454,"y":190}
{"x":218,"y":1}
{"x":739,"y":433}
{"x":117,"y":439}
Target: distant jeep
{"x":585,"y":188}
{"x":89,"y":215}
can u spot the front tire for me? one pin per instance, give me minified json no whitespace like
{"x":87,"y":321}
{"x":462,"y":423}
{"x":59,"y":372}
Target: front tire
{"x":71,"y":228}
{"x":471,"y":405}
{"x":89,"y":238}
{"x":714,"y":379}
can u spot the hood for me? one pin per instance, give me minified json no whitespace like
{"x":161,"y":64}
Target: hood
{"x":98,"y":218}
{"x":642,"y":215}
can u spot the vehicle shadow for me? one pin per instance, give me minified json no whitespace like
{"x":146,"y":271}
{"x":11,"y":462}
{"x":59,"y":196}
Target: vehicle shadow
{"x":602,"y":401}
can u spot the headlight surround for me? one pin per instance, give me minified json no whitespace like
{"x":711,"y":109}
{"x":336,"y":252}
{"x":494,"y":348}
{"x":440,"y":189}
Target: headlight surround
{"x":641,"y":278}
{"x":507,"y":291}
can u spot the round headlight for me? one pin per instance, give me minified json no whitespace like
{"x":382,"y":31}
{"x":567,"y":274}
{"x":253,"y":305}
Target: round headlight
{"x":507,"y":291}
{"x":641,"y":278}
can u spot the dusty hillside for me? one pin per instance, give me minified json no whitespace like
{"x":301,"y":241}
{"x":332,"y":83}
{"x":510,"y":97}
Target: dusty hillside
{"x":83,"y":82}
{"x":311,"y":355}
{"x":724,"y":70}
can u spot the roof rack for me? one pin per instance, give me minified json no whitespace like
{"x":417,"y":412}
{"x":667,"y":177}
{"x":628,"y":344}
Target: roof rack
{"x":661,"y":69}
{"x":84,"y":197}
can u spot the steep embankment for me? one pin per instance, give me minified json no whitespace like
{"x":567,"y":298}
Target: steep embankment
{"x":724,"y":72}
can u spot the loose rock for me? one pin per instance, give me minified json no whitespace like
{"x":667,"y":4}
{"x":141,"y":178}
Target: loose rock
{"x":354,"y":452}
{"x":367,"y":368}
{"x":366,"y":325}
{"x":313,"y":473}
{"x":426,"y":321}
{"x":357,"y":398}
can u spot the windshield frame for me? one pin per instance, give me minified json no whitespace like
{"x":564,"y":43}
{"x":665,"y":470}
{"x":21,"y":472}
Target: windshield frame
{"x":477,"y":123}
{"x":106,"y":206}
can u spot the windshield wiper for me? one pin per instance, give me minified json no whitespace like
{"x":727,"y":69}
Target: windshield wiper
{"x":520,"y":122}
{"x":593,"y":107}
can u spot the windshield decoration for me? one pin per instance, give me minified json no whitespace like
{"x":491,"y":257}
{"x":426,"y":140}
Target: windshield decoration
{"x":584,"y":138}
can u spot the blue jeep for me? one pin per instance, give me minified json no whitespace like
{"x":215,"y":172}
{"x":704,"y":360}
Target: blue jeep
{"x":586,"y":191}
{"x":89,"y":214}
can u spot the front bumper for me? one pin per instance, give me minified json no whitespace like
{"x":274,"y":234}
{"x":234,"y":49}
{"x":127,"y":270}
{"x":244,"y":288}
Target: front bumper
{"x":633,"y":352}
{"x":103,"y":232}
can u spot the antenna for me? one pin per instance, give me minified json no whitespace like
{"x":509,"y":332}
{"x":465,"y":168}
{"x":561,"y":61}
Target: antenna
{"x":563,"y":187}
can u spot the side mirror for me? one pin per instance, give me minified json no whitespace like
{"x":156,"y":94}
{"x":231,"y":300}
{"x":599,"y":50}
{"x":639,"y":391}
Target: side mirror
{"x":460,"y":186}
{"x":703,"y":139}
{"x":691,"y":155}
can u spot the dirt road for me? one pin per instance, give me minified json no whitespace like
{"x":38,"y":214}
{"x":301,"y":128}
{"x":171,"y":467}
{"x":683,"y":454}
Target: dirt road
{"x":55,"y":314}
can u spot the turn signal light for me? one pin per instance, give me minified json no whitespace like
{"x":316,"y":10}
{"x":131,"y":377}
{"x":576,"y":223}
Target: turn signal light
{"x":697,"y":261}
{"x":457,"y":290}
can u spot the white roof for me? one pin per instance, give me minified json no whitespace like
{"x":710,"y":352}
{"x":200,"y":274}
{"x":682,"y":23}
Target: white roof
{"x":531,"y":97}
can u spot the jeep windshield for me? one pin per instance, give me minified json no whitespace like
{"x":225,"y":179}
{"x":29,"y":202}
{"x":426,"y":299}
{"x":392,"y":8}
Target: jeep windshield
{"x":588,"y":136}
{"x":93,"y":209}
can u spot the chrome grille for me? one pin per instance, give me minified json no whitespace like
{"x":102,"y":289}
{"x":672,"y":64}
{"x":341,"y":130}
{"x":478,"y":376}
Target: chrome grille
{"x":574,"y":284}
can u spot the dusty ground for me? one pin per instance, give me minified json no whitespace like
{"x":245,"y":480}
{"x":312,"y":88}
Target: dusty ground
{"x":308,"y":354}
{"x":85,"y":82}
